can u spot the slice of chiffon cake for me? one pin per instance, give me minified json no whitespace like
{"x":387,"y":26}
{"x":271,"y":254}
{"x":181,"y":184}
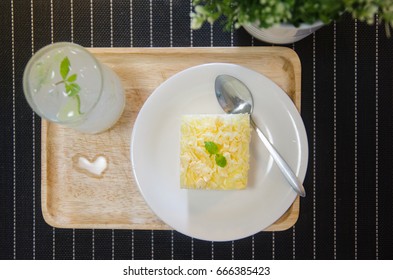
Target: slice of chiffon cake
{"x":214,"y":151}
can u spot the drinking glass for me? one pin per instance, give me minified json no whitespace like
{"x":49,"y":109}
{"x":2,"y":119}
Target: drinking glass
{"x":65,"y":84}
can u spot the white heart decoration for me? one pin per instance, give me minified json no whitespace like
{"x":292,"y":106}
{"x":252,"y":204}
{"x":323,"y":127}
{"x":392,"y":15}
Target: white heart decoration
{"x":96,"y":167}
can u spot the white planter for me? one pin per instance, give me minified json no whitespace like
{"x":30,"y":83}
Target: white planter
{"x":283,"y":33}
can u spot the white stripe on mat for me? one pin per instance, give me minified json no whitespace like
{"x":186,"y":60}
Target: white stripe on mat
{"x":172,"y":245}
{"x":294,"y":226}
{"x":93,"y":244}
{"x":192,"y":248}
{"x":13,"y":126}
{"x":356,"y":141}
{"x":73,"y":244}
{"x":273,"y":246}
{"x":52,"y":40}
{"x":152,"y":244}
{"x":314,"y":149}
{"x":212,"y":250}
{"x":33,"y":137}
{"x":151,"y":22}
{"x":131,"y":25}
{"x":334,"y":141}
{"x":253,"y":247}
{"x":191,"y":31}
{"x":170,"y":23}
{"x":376,"y":138}
{"x":91,"y":24}
{"x":233,"y":250}
{"x":211,"y":35}
{"x":113,"y":243}
{"x":132,"y":245}
{"x":72,"y":19}
{"x":111,"y":21}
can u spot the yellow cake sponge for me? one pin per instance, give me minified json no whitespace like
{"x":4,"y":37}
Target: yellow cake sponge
{"x":214,"y":151}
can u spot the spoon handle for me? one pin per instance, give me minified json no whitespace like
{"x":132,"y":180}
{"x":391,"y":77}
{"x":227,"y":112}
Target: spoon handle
{"x":282,"y":164}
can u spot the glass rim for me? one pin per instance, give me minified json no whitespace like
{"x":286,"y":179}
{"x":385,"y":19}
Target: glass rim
{"x":40,"y":53}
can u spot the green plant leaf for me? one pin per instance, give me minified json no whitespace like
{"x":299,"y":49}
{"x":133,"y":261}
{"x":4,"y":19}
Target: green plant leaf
{"x":211,"y":147}
{"x":64,"y":67}
{"x":72,"y":78}
{"x":72,"y":89}
{"x":271,"y":12}
{"x":221,"y":160}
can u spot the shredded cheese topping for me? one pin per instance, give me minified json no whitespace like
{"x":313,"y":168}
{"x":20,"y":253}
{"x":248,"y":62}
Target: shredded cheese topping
{"x":198,"y":168}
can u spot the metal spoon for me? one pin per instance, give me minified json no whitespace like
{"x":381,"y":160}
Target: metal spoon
{"x":235,"y":98}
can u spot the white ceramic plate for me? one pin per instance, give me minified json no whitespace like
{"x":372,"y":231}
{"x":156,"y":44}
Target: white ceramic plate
{"x":216,"y":215}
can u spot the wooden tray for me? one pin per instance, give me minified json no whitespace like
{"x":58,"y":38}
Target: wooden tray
{"x":72,"y":199}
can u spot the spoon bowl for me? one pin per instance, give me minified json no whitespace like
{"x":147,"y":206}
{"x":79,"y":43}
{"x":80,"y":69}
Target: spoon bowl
{"x":235,"y":97}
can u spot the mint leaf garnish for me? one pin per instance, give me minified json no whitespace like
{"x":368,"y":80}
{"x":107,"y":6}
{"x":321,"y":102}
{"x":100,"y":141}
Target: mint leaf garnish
{"x":221,"y":160}
{"x":72,"y":78}
{"x":211,"y":147}
{"x":64,"y":67}
{"x":72,"y":89}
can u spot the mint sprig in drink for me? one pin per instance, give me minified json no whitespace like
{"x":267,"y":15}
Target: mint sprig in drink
{"x":71,"y":86}
{"x":64,"y":83}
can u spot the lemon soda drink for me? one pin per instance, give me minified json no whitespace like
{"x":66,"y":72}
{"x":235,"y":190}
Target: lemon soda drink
{"x":65,"y":84}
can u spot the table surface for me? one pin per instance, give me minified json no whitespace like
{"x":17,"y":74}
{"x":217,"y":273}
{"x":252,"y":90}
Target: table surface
{"x":346,"y":108}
